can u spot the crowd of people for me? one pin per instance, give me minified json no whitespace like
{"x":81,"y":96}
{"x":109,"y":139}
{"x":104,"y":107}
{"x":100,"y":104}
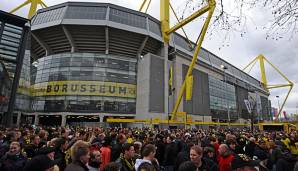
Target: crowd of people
{"x":133,"y":149}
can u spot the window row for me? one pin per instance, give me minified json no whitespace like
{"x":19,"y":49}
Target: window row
{"x":84,"y":106}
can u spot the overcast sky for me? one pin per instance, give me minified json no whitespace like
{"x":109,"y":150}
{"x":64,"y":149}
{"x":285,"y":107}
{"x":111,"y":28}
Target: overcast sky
{"x":236,"y":49}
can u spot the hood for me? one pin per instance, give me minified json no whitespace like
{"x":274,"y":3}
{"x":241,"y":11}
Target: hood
{"x":140,"y":161}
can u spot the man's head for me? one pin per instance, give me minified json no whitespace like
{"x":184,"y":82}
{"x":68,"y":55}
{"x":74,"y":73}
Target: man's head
{"x":209,"y":152}
{"x":262,"y":144}
{"x":170,"y":139}
{"x":80,"y":151}
{"x":128,"y":150}
{"x":121,"y":138}
{"x":149,"y":151}
{"x":223,"y":150}
{"x":14,"y":148}
{"x":95,"y":156}
{"x":36,"y":140}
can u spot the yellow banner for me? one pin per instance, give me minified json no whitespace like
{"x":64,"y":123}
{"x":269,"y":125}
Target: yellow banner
{"x":88,"y":88}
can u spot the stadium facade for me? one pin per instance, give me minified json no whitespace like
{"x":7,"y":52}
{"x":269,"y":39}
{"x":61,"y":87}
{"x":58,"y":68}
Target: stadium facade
{"x":92,"y":61}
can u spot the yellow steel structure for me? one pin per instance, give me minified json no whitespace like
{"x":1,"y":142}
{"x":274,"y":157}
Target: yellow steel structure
{"x":261,"y":60}
{"x":166,"y":31}
{"x":143,"y":6}
{"x":33,"y":7}
{"x":158,"y":121}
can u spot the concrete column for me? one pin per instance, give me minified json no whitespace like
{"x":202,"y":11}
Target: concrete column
{"x":101,"y":119}
{"x":63,"y":121}
{"x":36,"y":120}
{"x":19,"y":118}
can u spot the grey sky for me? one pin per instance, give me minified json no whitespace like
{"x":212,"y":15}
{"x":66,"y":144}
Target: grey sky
{"x":236,"y":49}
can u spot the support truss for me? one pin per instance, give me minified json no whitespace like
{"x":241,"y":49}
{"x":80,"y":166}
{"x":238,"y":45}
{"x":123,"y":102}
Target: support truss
{"x":33,"y":7}
{"x":267,"y":87}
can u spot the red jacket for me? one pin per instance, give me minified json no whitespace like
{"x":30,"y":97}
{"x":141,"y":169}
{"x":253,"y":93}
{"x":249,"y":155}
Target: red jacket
{"x":225,"y":163}
{"x":105,"y":156}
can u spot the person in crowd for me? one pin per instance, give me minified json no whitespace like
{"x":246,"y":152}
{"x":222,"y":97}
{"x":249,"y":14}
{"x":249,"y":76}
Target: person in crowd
{"x":117,"y":148}
{"x":183,"y":155}
{"x":148,"y":154}
{"x":250,"y":147}
{"x":80,"y":157}
{"x":225,"y":158}
{"x":146,"y":167}
{"x":125,"y":161}
{"x":112,"y":167}
{"x":137,"y":146}
{"x":196,"y":156}
{"x":261,"y":152}
{"x":13,"y":160}
{"x":170,"y":154}
{"x":188,"y":166}
{"x":209,"y":153}
{"x":95,"y":160}
{"x":160,"y":145}
{"x":232,"y":146}
{"x":105,"y":152}
{"x":43,"y":135}
{"x":60,"y":145}
{"x":41,"y":163}
{"x":32,"y":149}
{"x":243,"y":162}
{"x":10,"y":137}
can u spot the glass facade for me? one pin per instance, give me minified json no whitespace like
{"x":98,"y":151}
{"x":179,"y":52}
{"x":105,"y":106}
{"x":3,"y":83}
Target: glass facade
{"x":222,"y":96}
{"x":10,"y":42}
{"x":23,"y":93}
{"x":84,"y":82}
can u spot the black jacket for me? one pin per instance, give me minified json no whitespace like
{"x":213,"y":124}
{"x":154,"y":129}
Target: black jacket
{"x":249,"y":149}
{"x":124,"y":165}
{"x":116,"y":151}
{"x":76,"y":166}
{"x":12,"y":162}
{"x":170,"y":155}
{"x":62,"y":161}
{"x":182,"y":157}
{"x":208,"y":165}
{"x":160,"y":151}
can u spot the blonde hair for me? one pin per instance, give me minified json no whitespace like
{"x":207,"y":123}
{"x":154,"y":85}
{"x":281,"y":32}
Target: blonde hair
{"x":78,"y":149}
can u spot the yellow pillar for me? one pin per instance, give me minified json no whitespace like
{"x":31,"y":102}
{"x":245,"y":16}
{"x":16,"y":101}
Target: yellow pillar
{"x":263,"y":73}
{"x":165,"y":18}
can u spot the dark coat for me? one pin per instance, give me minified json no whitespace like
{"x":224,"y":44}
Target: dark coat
{"x":170,"y":155}
{"x":182,"y":157}
{"x":76,"y":166}
{"x":249,"y":149}
{"x":208,"y":165}
{"x":116,"y":151}
{"x":12,"y":162}
{"x":261,"y":153}
{"x":160,"y":151}
{"x":124,"y":165}
{"x":61,"y":156}
{"x":31,"y":150}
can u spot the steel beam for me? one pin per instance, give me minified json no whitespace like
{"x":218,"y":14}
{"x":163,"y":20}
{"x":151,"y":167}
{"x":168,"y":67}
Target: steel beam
{"x":42,"y":44}
{"x":107,"y":40}
{"x":142,"y":46}
{"x":69,"y":38}
{"x":211,"y":8}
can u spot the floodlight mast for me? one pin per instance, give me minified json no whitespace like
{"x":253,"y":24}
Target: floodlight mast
{"x":261,"y":58}
{"x":166,"y":31}
{"x":33,"y":7}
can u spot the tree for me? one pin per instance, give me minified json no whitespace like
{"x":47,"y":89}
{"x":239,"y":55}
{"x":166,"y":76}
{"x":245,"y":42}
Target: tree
{"x":231,"y":15}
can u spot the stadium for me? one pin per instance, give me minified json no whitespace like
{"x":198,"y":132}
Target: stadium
{"x":93,"y":61}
